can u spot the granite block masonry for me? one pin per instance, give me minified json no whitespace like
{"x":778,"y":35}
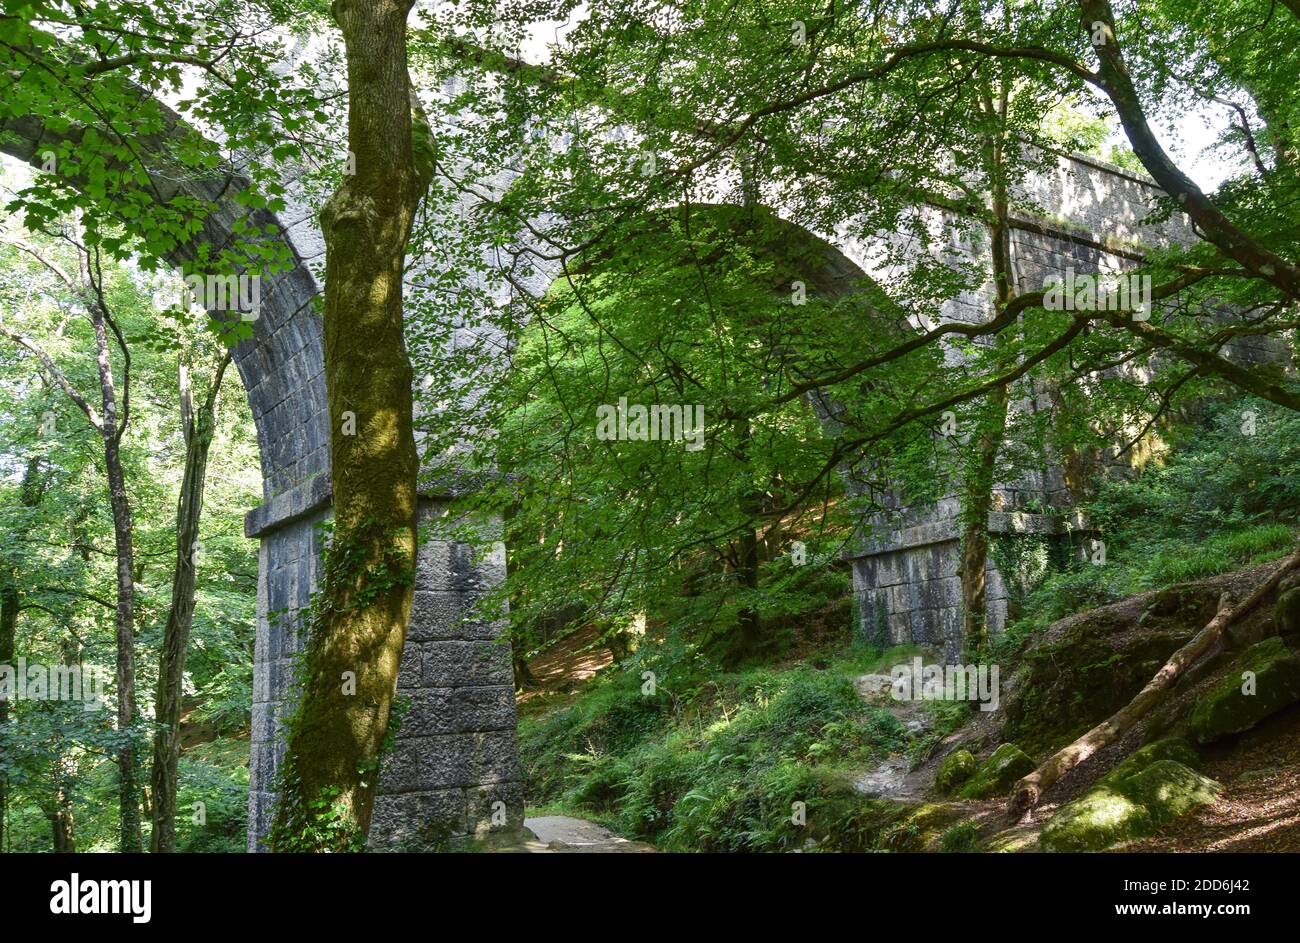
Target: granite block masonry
{"x":454,"y":771}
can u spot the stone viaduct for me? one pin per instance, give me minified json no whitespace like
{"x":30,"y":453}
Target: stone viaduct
{"x":456,"y":762}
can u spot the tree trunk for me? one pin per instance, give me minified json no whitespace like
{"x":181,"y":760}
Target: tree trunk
{"x":359,"y":623}
{"x":197,"y":430}
{"x":749,"y":629}
{"x":748,"y":624}
{"x":61,"y":825}
{"x":123,"y":528}
{"x":979,"y":481}
{"x":981,"y":467}
{"x":64,"y":767}
{"x":30,"y":493}
{"x":1214,"y":226}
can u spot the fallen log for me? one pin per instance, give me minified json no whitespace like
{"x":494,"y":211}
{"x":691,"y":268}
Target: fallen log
{"x":1029,"y":790}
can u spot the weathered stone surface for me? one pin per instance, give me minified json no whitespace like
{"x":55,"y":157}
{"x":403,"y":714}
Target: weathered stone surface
{"x":1167,"y":789}
{"x":1121,"y":809}
{"x":1170,"y":748}
{"x":456,"y":671}
{"x":1262,"y":680}
{"x":458,"y":662}
{"x":458,"y":710}
{"x":1288,"y":611}
{"x":437,"y":614}
{"x":956,"y":768}
{"x":1096,"y":820}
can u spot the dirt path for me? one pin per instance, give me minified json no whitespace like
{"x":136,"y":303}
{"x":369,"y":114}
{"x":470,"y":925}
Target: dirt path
{"x":891,"y":779}
{"x":560,"y":834}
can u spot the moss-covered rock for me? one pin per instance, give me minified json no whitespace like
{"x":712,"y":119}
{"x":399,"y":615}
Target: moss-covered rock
{"x":1098,"y":819}
{"x":1087,"y":666}
{"x":1287,"y":611}
{"x":1170,"y":748}
{"x":1011,"y":841}
{"x":922,"y":827}
{"x":957,"y":767}
{"x":1122,"y":809}
{"x":1168,"y":789}
{"x":1237,"y":702}
{"x":998,"y":773}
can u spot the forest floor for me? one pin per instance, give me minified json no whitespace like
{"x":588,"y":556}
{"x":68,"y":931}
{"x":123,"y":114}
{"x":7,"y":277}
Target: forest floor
{"x":560,"y":673}
{"x":1259,"y":808}
{"x":1257,"y":811}
{"x":563,"y":668}
{"x":565,"y":834}
{"x":894,"y":777}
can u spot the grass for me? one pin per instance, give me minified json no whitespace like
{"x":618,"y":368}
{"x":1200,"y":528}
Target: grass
{"x":1221,"y":553}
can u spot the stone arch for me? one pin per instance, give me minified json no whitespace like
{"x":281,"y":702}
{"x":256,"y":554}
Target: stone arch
{"x":456,"y":763}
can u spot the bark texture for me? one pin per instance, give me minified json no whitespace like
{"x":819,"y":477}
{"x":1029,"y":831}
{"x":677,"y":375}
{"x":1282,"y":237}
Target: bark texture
{"x":359,"y":624}
{"x":197,"y":428}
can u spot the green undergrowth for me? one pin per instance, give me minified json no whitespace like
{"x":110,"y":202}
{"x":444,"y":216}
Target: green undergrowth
{"x":1160,"y":564}
{"x":1224,"y":496}
{"x":761,"y":759}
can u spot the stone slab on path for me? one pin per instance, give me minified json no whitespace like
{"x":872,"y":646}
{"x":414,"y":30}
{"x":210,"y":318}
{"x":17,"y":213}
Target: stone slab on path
{"x":562,"y":834}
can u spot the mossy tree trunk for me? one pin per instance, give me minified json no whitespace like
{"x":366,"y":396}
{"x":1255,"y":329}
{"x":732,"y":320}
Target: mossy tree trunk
{"x":986,"y":439}
{"x":196,"y":428}
{"x":359,"y":620}
{"x":978,"y":484}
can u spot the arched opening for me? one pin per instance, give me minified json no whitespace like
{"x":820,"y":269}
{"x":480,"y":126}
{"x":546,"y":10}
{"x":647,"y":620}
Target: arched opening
{"x":670,"y":459}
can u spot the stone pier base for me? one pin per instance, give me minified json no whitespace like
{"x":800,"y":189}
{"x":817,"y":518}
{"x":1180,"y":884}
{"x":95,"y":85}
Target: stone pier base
{"x":454,"y":770}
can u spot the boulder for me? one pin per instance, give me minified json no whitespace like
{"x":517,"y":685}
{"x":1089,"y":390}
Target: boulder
{"x":1098,"y":819}
{"x":998,"y":773}
{"x":1167,"y":789}
{"x":957,"y":767}
{"x":1287,"y":611}
{"x":1122,"y":809}
{"x":1237,"y":702}
{"x":1170,"y":748}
